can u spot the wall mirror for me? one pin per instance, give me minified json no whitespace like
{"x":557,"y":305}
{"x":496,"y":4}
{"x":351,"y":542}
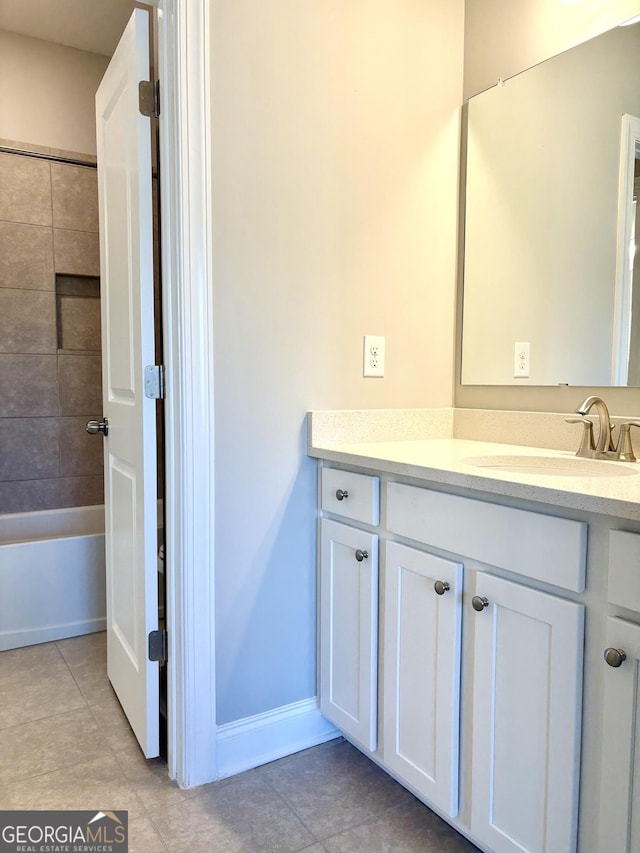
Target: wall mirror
{"x":551,"y":293}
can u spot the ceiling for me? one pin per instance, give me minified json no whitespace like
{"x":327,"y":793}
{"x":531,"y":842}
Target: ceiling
{"x":93,"y":25}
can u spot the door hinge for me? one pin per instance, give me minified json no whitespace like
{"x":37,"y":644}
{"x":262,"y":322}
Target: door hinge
{"x":154,"y":381}
{"x":158,"y":645}
{"x":149,"y":98}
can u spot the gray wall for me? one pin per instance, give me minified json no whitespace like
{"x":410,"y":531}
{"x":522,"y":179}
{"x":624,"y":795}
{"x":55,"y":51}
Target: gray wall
{"x":50,"y":365}
{"x":47,"y":93}
{"x":335,"y":154}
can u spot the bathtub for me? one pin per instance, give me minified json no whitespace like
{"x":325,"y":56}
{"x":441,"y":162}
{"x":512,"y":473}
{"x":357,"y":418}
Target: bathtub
{"x":52,"y":575}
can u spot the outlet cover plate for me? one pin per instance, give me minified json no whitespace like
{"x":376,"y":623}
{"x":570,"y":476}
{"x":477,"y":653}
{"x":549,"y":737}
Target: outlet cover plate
{"x":373,"y":355}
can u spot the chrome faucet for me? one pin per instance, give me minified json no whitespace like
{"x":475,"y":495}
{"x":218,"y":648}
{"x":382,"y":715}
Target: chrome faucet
{"x":604,"y":448}
{"x":604,"y":445}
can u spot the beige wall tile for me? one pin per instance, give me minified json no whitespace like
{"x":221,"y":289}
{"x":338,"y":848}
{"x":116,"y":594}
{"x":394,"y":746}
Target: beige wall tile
{"x":81,"y":491}
{"x":79,"y":323}
{"x":29,"y":448}
{"x":74,"y":192}
{"x":28,"y":385}
{"x":27,"y":321}
{"x":80,"y":384}
{"x":25,"y":189}
{"x":29,"y":495}
{"x":81,"y":454}
{"x":26,"y":256}
{"x":76,"y":252}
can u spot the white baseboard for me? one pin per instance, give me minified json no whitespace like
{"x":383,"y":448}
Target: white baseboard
{"x":253,"y":741}
{"x":34,"y":636}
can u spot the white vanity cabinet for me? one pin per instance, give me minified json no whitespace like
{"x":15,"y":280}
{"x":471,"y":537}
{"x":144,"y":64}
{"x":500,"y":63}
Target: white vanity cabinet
{"x":620,"y":770}
{"x":349,"y":630}
{"x":349,"y":605}
{"x":476,"y":665}
{"x":527,"y":698}
{"x":422,"y":622}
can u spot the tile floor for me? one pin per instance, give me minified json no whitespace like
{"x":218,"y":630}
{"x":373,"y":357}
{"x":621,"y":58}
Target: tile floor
{"x":65,"y":744}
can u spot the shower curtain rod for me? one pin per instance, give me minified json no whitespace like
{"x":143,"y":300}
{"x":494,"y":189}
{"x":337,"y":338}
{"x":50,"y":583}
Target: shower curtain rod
{"x":4,"y":149}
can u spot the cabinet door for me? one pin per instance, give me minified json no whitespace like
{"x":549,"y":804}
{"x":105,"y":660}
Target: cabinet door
{"x":349,"y":630}
{"x":620,"y":794}
{"x":527,"y":700}
{"x":421,"y":683}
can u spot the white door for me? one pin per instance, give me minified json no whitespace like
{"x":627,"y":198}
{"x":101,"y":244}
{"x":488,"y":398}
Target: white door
{"x":527,"y":702}
{"x":349,"y":630}
{"x":126,"y":271}
{"x":422,"y":630}
{"x":619,"y":795}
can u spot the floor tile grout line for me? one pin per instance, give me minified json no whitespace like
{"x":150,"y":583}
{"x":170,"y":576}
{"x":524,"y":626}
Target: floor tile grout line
{"x":105,"y":739}
{"x":46,"y":773}
{"x":79,"y":686}
{"x":122,"y":784}
{"x":374,"y":816}
{"x":370,"y":819}
{"x":293,"y":810}
{"x":71,"y":673}
{"x":5,"y":729}
{"x":84,"y":707}
{"x":157,"y":829}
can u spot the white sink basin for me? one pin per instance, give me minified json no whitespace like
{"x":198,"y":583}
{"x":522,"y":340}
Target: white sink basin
{"x":552,"y":466}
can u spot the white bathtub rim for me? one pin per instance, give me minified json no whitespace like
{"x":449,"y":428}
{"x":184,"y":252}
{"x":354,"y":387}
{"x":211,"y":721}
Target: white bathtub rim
{"x":51,"y":524}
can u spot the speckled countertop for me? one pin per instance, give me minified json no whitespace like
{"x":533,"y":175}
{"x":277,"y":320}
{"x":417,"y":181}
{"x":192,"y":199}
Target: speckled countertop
{"x":610,"y":488}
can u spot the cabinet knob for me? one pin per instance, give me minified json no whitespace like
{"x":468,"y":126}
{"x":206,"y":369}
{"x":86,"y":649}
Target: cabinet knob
{"x":341,"y":495}
{"x":361,"y":555}
{"x":479,"y":602}
{"x":615,"y":657}
{"x":441,"y":587}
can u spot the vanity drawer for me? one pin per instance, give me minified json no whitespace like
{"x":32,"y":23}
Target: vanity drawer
{"x":624,"y":569}
{"x":542,"y":547}
{"x":361,"y":501}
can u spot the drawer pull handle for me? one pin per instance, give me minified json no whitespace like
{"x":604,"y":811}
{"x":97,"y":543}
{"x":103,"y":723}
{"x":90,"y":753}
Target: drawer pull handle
{"x":479,"y":602}
{"x":341,"y":495}
{"x":361,"y":555}
{"x":615,"y":657}
{"x":441,"y":587}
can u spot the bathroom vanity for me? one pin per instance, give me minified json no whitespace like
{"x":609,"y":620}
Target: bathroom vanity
{"x":466,"y":603}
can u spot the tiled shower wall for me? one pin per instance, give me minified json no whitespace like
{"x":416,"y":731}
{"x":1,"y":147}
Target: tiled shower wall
{"x":48,"y":226}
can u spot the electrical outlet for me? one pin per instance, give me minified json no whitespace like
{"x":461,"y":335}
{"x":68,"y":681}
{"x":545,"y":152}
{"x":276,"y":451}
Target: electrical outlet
{"x":521,"y":365}
{"x":373,"y":355}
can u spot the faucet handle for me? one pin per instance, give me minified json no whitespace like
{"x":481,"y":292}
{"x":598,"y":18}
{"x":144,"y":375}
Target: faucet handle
{"x":624,"y":450}
{"x":587,"y":444}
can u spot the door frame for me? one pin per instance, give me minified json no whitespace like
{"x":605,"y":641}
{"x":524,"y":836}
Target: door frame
{"x":187,"y":303}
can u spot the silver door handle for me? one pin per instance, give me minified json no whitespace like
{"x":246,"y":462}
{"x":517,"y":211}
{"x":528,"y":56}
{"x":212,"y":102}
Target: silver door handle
{"x":95,"y":427}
